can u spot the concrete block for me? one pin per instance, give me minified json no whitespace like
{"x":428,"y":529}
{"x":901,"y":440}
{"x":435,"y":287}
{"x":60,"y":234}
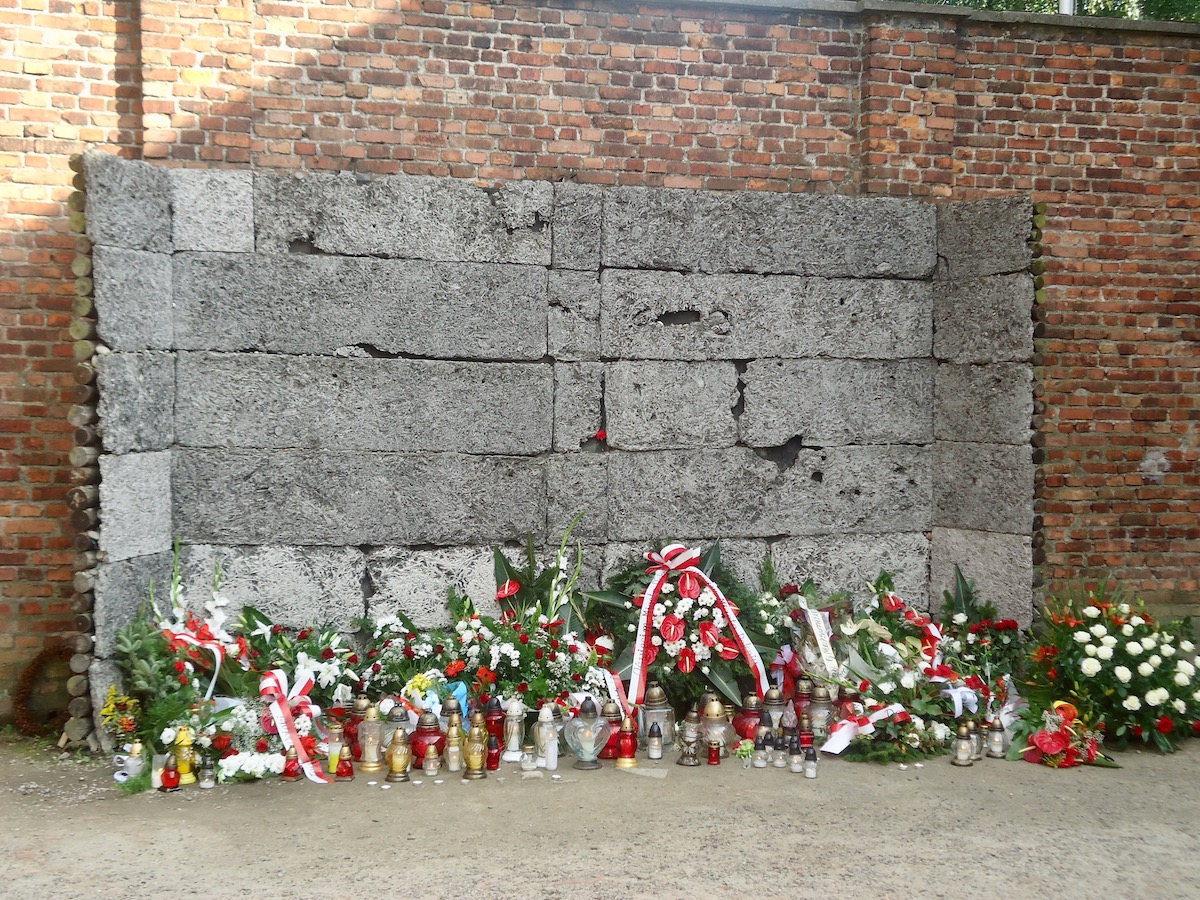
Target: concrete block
{"x":578,"y":404}
{"x":578,"y":222}
{"x":417,"y":582}
{"x":736,"y":493}
{"x":663,"y":405}
{"x":983,"y":237}
{"x":846,"y":562}
{"x":135,"y":504}
{"x":363,"y":307}
{"x":984,"y":487}
{"x":128,"y":203}
{"x":577,"y":485}
{"x":986,"y":320}
{"x":1001,"y":565}
{"x":133,"y":298}
{"x":122,"y":590}
{"x":754,"y":231}
{"x":832,"y":402}
{"x":294,"y":586}
{"x":399,"y":405}
{"x":213,"y":210}
{"x":987,"y":404}
{"x":573,"y":315}
{"x":343,"y":498}
{"x":665,"y":315}
{"x":443,"y":219}
{"x":137,"y":400}
{"x":744,"y":557}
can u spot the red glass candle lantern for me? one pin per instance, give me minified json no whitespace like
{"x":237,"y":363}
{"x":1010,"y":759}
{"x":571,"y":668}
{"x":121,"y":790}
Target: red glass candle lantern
{"x":613,"y":715}
{"x":493,"y":718}
{"x":714,"y":753}
{"x":428,"y":732}
{"x":345,"y":767}
{"x":627,"y":745}
{"x":291,"y":766}
{"x":493,"y":753}
{"x":170,"y":774}
{"x":745,"y":721}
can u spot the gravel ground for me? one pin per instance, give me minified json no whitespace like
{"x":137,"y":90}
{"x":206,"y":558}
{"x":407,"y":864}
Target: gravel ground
{"x":997,"y":829}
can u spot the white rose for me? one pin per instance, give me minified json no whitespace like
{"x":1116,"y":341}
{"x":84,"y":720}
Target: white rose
{"x":908,"y":680}
{"x":1145,"y":670}
{"x":167,"y":737}
{"x":1082,"y":637}
{"x":960,"y":618}
{"x":1127,"y":630}
{"x":1089,"y":667}
{"x":1166,"y":650}
{"x":1108,"y":641}
{"x":1136,"y":621}
{"x":1182,"y":680}
{"x":1133,"y":648}
{"x":1179,"y":705}
{"x":1196,"y":695}
{"x":1149,"y":643}
{"x":1098,"y":630}
{"x":1187,"y":646}
{"x":1092,"y":612}
{"x":1090,"y":649}
{"x":1123,"y":674}
{"x":1155,"y":660}
{"x":1123,"y":609}
{"x":1133,"y":704}
{"x":1182,"y":665}
{"x":1104,"y":653}
{"x":1157,"y":696}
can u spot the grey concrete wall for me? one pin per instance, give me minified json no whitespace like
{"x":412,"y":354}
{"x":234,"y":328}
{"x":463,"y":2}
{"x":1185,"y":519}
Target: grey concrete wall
{"x":348,"y":392}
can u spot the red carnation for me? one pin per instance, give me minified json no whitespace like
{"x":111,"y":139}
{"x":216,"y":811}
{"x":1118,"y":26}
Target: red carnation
{"x":1137,"y":731}
{"x":409,"y":653}
{"x":1164,"y":725}
{"x":524,"y":639}
{"x":221,"y":742}
{"x":261,"y":745}
{"x":522,"y":687}
{"x":539,"y":653}
{"x":327,"y":653}
{"x":180,"y":666}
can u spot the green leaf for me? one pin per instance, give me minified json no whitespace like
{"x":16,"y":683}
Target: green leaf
{"x":711,"y":558}
{"x":721,"y":681}
{"x":615,"y":599}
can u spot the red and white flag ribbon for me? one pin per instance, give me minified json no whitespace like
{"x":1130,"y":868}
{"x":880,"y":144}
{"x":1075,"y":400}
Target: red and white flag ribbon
{"x":274,"y":688}
{"x":213,"y":646}
{"x":843,"y":732}
{"x":678,"y":560}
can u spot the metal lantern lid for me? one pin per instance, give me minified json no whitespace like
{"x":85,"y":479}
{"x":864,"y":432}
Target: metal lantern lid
{"x":714,"y":710}
{"x":335,"y":730}
{"x":964,"y":733}
{"x":693,"y":716}
{"x":587,"y":710}
{"x":428,"y":719}
{"x":627,"y":724}
{"x":397,"y":714}
{"x":612,"y":710}
{"x":804,"y":686}
{"x":820,"y":694}
{"x":656,"y":697}
{"x":361,"y":704}
{"x":371,"y":713}
{"x":751,"y":701}
{"x":450,"y":706}
{"x":431,"y":752}
{"x":399,"y":737}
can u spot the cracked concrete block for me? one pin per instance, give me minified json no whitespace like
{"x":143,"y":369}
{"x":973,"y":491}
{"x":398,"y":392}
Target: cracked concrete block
{"x":137,"y":400}
{"x":347,"y":497}
{"x":831,"y":402}
{"x":1001,"y":565}
{"x":399,"y":405}
{"x":744,"y":557}
{"x":986,"y":404}
{"x":577,"y":485}
{"x":983,"y":237}
{"x":128,"y":203}
{"x":984,"y":487}
{"x":122,"y":589}
{"x":578,"y":222}
{"x":417,"y":582}
{"x":738,"y":493}
{"x":213,"y":210}
{"x":293,"y":586}
{"x":133,"y":292}
{"x":846,"y":562}
{"x":407,"y":217}
{"x":363,"y":307}
{"x":578,"y":404}
{"x":768,"y":233}
{"x":135,"y":504}
{"x":573,"y":317}
{"x":986,"y":320}
{"x":666,"y":315}
{"x":665,"y":405}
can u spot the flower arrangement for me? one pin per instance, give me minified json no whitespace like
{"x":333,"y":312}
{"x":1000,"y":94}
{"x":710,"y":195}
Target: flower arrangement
{"x":119,"y":715}
{"x":1058,"y":738}
{"x":1109,"y":658}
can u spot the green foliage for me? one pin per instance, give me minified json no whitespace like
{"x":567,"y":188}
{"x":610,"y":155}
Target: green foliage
{"x":146,"y":660}
{"x":1169,"y":10}
{"x":963,"y":601}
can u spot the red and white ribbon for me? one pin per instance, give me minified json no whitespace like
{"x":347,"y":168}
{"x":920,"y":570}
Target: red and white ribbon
{"x":843,"y":732}
{"x":678,"y":560}
{"x":214,"y":646}
{"x":274,"y":688}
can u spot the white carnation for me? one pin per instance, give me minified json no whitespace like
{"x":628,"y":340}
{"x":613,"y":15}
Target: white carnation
{"x":908,"y":680}
{"x":886,"y":687}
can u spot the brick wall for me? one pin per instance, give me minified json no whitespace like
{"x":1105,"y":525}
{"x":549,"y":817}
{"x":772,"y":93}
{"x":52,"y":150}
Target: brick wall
{"x":1099,"y":123}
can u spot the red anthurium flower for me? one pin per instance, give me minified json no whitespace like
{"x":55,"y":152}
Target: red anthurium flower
{"x":1070,"y":758}
{"x":1164,"y":725}
{"x":639,"y":599}
{"x":651,"y":653}
{"x":1033,"y":755}
{"x":728,"y":649}
{"x":687,"y":661}
{"x":1051,"y":742}
{"x":892,"y":603}
{"x":1067,"y":710}
{"x":507,"y":589}
{"x":710,"y":634}
{"x":672,"y":628}
{"x":689,"y":585}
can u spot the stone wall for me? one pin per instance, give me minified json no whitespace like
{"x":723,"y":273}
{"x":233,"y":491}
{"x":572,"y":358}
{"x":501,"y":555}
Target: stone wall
{"x":349,"y":390}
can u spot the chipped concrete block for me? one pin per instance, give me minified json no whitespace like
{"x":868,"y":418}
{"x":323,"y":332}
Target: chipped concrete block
{"x":400,"y":405}
{"x":213,"y":210}
{"x":666,"y":315}
{"x":1001,"y":565}
{"x":846,"y":562}
{"x":135,"y":504}
{"x":578,"y":404}
{"x":133,"y":299}
{"x":573,"y":317}
{"x":577,"y":487}
{"x":417,"y":582}
{"x":833,"y":402}
{"x":137,"y":400}
{"x":986,"y":404}
{"x":578,"y":223}
{"x":663,"y":405}
{"x":983,"y":237}
{"x":128,"y":203}
{"x":986,"y":320}
{"x":122,"y":590}
{"x":984,"y":487}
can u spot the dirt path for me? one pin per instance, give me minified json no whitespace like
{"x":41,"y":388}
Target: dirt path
{"x":996,"y":829}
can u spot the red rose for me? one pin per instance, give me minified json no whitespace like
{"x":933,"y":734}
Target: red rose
{"x":304,"y":633}
{"x":222,"y":742}
{"x":352,"y":659}
{"x":372,"y":654}
{"x":1051,"y":742}
{"x":276,"y":629}
{"x":787,"y":590}
{"x":183,"y":679}
{"x":376,"y":668}
{"x":524,"y":639}
{"x":327,"y":653}
{"x":638,"y":599}
{"x":1196,"y":727}
{"x":437,"y":651}
{"x":483,"y":698}
{"x":261,"y":745}
{"x":1164,"y":725}
{"x":409,"y":653}
{"x":228,"y":753}
{"x":554,"y":644}
{"x":1137,"y":731}
{"x":576,"y":677}
{"x":522,"y":687}
{"x":796,"y":615}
